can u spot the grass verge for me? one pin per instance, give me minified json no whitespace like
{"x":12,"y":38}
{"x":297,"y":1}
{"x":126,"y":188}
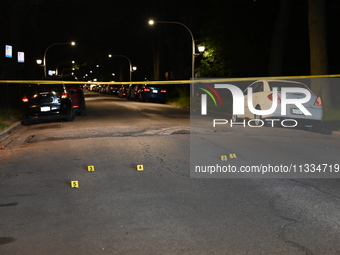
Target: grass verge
{"x":9,"y":117}
{"x":180,"y":97}
{"x":331,"y":120}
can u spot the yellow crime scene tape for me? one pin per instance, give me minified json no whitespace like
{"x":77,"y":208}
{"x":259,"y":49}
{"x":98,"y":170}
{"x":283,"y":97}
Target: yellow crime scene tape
{"x":172,"y":82}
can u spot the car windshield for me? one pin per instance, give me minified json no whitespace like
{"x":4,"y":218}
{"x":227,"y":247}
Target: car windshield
{"x":39,"y":88}
{"x":281,"y":84}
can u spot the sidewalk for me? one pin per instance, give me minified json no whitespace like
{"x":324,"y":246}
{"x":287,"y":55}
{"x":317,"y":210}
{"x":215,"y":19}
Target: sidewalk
{"x":9,"y":130}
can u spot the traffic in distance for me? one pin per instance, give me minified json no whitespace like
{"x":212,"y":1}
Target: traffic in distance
{"x":141,"y":92}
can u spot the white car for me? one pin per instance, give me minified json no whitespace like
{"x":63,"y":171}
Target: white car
{"x":263,"y":99}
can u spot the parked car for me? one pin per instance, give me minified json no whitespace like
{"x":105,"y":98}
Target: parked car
{"x":78,"y":98}
{"x":47,"y":101}
{"x":113,"y":89}
{"x":263,"y":99}
{"x":146,"y":93}
{"x":122,"y":92}
{"x":129,"y":91}
{"x":134,"y":92}
{"x":103,"y":89}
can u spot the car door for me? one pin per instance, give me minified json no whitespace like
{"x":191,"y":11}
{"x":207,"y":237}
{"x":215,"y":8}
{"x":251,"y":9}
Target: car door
{"x":257,"y":88}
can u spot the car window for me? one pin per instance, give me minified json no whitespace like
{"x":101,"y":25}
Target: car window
{"x":280,"y":85}
{"x":257,"y":87}
{"x":39,"y":88}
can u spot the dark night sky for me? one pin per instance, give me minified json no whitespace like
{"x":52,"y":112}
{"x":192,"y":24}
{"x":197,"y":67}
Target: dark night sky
{"x":101,"y":27}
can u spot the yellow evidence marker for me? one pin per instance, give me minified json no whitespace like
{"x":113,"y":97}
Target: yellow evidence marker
{"x":74,"y":184}
{"x":232,"y":155}
{"x":224,"y":158}
{"x":90,"y":168}
{"x":140,"y":168}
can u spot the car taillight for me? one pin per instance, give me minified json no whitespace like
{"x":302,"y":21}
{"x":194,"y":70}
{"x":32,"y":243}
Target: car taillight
{"x":147,"y":89}
{"x":318,"y":101}
{"x":270,"y":97}
{"x":25,"y":99}
{"x":163,"y":91}
{"x":64,"y":95}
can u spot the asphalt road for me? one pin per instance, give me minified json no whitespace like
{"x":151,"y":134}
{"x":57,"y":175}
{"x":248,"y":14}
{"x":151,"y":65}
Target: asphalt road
{"x":161,"y":210}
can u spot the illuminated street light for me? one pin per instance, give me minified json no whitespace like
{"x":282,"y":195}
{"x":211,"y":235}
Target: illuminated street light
{"x":39,"y":61}
{"x":201,"y":48}
{"x":131,"y":69}
{"x":45,"y":68}
{"x":152,"y":22}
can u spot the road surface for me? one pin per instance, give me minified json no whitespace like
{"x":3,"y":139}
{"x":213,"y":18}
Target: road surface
{"x":161,"y":210}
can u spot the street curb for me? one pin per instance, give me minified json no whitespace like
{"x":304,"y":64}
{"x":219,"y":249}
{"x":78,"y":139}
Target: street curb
{"x":336,"y":133}
{"x":7,"y":131}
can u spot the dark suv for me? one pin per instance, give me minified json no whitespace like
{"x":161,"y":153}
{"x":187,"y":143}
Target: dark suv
{"x":47,"y":101}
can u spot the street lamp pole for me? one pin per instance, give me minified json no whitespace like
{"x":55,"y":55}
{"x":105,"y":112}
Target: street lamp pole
{"x":130,"y":65}
{"x":44,"y":60}
{"x":63,"y":62}
{"x":152,"y":22}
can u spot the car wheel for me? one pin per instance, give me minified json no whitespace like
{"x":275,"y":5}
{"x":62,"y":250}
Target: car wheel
{"x":316,"y":128}
{"x":70,"y":115}
{"x":235,"y":118}
{"x":26,"y":122}
{"x":258,"y":118}
{"x":83,"y":111}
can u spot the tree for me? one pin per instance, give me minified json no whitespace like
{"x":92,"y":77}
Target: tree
{"x":318,"y":49}
{"x":278,"y":38}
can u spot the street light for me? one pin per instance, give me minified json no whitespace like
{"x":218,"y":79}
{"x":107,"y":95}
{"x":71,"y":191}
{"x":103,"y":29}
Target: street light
{"x":201,"y":48}
{"x":56,"y":70}
{"x":44,"y":64}
{"x":152,"y":22}
{"x":131,"y":68}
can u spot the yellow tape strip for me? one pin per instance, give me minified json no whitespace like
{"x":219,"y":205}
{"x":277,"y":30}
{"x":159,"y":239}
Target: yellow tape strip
{"x":179,"y":82}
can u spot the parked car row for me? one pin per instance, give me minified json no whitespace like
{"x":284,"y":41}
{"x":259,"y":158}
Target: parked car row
{"x":104,"y":89}
{"x":52,"y":101}
{"x":142,"y":93}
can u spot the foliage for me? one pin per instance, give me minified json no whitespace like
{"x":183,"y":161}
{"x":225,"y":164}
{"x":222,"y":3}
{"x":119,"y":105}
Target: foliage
{"x":180,"y":96}
{"x":214,"y":64}
{"x":237,"y":38}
